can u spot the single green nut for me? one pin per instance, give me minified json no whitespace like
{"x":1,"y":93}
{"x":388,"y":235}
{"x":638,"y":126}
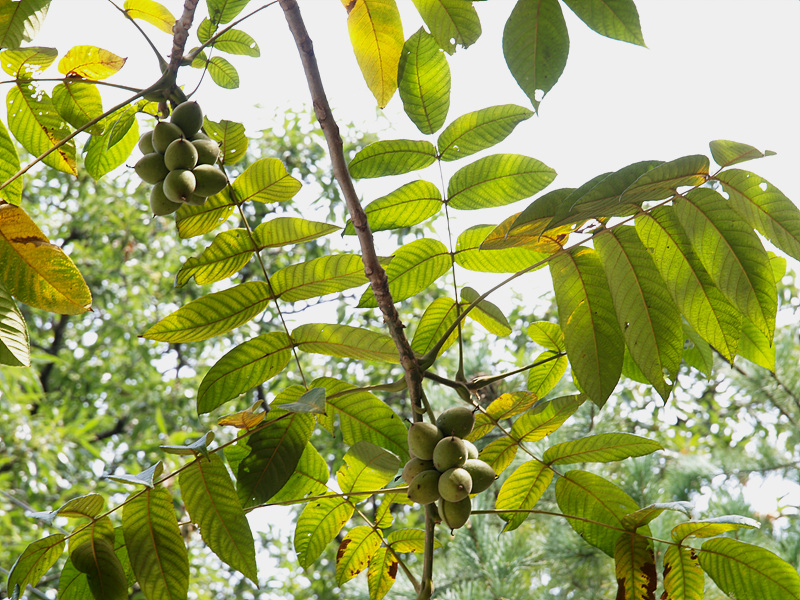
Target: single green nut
{"x":414,"y":467}
{"x":422,"y":439}
{"x":207,"y":151}
{"x":164,"y":134}
{"x":146,"y":143}
{"x":188,"y":116}
{"x":457,"y":421}
{"x":159,"y":203}
{"x":455,"y":484}
{"x":179,"y":185}
{"x":424,"y":488}
{"x":151,"y":168}
{"x":472,"y":450}
{"x":196,"y":200}
{"x":454,"y":514}
{"x":199,"y":136}
{"x":449,"y":453}
{"x":180,"y":154}
{"x":210,"y":180}
{"x":482,"y":474}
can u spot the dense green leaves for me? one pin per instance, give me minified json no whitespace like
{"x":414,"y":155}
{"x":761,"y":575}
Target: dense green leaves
{"x":424,"y":82}
{"x":392,"y":157}
{"x":9,"y":165}
{"x":479,"y":130}
{"x":310,"y":477}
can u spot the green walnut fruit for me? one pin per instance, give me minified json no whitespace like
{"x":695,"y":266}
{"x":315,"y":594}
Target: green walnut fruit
{"x":199,"y":136}
{"x":482,"y":474}
{"x":196,"y":200}
{"x":414,"y":467}
{"x":188,"y":116}
{"x":454,"y":514}
{"x":422,"y":439}
{"x":159,"y":203}
{"x":179,"y":185}
{"x":146,"y":143}
{"x":472,"y":450}
{"x":207,"y":151}
{"x":455,"y":484}
{"x":424,"y":488}
{"x":457,"y":421}
{"x":180,"y":154}
{"x":210,"y":180}
{"x":164,"y":134}
{"x":151,"y":168}
{"x":449,"y":453}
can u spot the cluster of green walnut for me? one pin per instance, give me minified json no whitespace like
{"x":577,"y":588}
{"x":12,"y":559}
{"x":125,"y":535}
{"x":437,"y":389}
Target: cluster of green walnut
{"x":180,"y":161}
{"x":444,"y":467}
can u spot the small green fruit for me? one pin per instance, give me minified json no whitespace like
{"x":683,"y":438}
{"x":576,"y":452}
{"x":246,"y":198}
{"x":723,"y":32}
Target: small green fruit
{"x":457,"y":421}
{"x":151,"y":168}
{"x":196,"y":200}
{"x":146,"y":143}
{"x":179,"y":185}
{"x":424,"y":488}
{"x":199,"y":136}
{"x":482,"y":474}
{"x":207,"y":151}
{"x":454,"y":514}
{"x":164,"y":134}
{"x":414,"y":467}
{"x":210,"y":180}
{"x":160,"y":204}
{"x":472,"y":450}
{"x":422,"y":439}
{"x":188,"y":116}
{"x":455,"y":484}
{"x":180,"y":154}
{"x":449,"y":453}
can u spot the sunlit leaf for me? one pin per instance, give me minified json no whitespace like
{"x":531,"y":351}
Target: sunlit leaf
{"x":616,"y":19}
{"x":726,"y":153}
{"x":548,"y":335}
{"x":451,"y":22}
{"x":318,"y":277}
{"x":755,"y":346}
{"x":392,"y":157}
{"x":662,"y":181}
{"x":521,"y":491}
{"x":223,"y":73}
{"x":484,"y":312}
{"x":310,"y":477}
{"x":9,"y":165}
{"x":424,"y":82}
{"x":90,"y":62}
{"x":409,"y":540}
{"x":23,"y":63}
{"x":345,"y":341}
{"x":234,"y":41}
{"x":36,"y":271}
{"x":499,"y":454}
{"x":436,"y":319}
{"x":408,"y":205}
{"x":544,"y":418}
{"x":15,"y":346}
{"x":366,"y":467}
{"x":635,"y":567}
{"x":78,"y":103}
{"x":192,"y":221}
{"x":108,"y":151}
{"x":88,"y":506}
{"x":712,"y":527}
{"x":266,"y":180}
{"x":544,"y":377}
{"x":603,"y":447}
{"x":228,"y":253}
{"x":245,"y":419}
{"x":224,"y":11}
{"x":282,"y":231}
{"x":35,"y":561}
{"x":479,"y":130}
{"x":356,"y":550}
{"x":231,"y":138}
{"x":317,"y":526}
{"x":508,"y":260}
{"x":382,"y":573}
{"x":536,"y":236}
{"x":683,"y":578}
{"x":21,"y":21}
{"x":152,"y":12}
{"x":504,"y":407}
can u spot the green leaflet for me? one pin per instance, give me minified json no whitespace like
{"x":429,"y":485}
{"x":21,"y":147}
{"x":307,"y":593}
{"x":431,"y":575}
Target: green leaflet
{"x":37,"y":125}
{"x":231,"y":138}
{"x":249,"y":364}
{"x":589,"y":496}
{"x":479,"y":130}
{"x":154,"y":543}
{"x":703,"y":305}
{"x":748,"y":572}
{"x":485,"y":313}
{"x":223,"y":73}
{"x":533,"y":235}
{"x":544,"y":418}
{"x":544,"y":377}
{"x":661,"y":182}
{"x":78,"y":103}
{"x":228,"y":253}
{"x":383,"y":516}
{"x":521,"y":491}
{"x":648,"y":318}
{"x":409,"y":540}
{"x":433,"y":323}
{"x":499,"y":454}
{"x":363,"y":416}
{"x":88,"y":506}
{"x":152,"y":12}
{"x":212,"y":314}
{"x":266,"y":180}
{"x":21,"y":22}
{"x":212,"y":503}
{"x":535,"y":46}
{"x":318,"y":277}
{"x":604,"y":447}
{"x":727,"y":153}
{"x":413,"y":268}
{"x":755,"y":346}
{"x":408,"y":205}
{"x":35,"y":561}
{"x":591,"y":333}
{"x":318,"y":525}
{"x":548,"y":335}
{"x":9,"y":165}
{"x":366,"y":467}
{"x":537,"y":216}
{"x":224,"y":11}
{"x":345,"y":341}
{"x":282,"y":231}
{"x":683,"y":577}
{"x":764,"y":207}
{"x":635,"y":567}
{"x":392,"y":157}
{"x":146,"y":478}
{"x":274,"y":452}
{"x":382,"y":571}
{"x":616,"y":19}
{"x":235,"y":41}
{"x":732,"y":255}
{"x":309,"y":478}
{"x":15,"y":346}
{"x":697,"y":353}
{"x":197,"y":220}
{"x":424,"y":82}
{"x":23,"y":63}
{"x":503,"y":407}
{"x":92,"y":552}
{"x":508,"y":260}
{"x":645,"y":515}
{"x":497,"y":180}
{"x":110,"y":150}
{"x":451,"y":22}
{"x":356,"y":550}
{"x":712,"y":527}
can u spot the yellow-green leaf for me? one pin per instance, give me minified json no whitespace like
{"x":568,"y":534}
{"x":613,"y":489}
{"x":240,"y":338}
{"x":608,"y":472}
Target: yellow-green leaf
{"x":309,"y":478}
{"x":23,"y":63}
{"x":727,"y":153}
{"x":231,"y":138}
{"x":470,"y":254}
{"x":408,"y":205}
{"x":486,"y":313}
{"x":543,"y":377}
{"x":635,"y":565}
{"x":228,"y":253}
{"x":712,"y":527}
{"x":382,"y":573}
{"x":266,"y":180}
{"x":548,"y":335}
{"x":35,"y":561}
{"x":662,"y":181}
{"x":9,"y":165}
{"x":683,"y":578}
{"x":499,"y":454}
{"x":424,"y":81}
{"x":15,"y":346}
{"x":356,"y":550}
{"x":544,"y":418}
{"x":503,"y":407}
{"x":392,"y":157}
{"x":366,"y":467}
{"x":318,"y":277}
{"x":197,"y":220}
{"x":317,"y":526}
{"x":35,"y":271}
{"x":436,"y":319}
{"x":345,"y":341}
{"x":603,"y":447}
{"x":409,"y":540}
{"x":451,"y":22}
{"x":615,"y":19}
{"x":78,"y":103}
{"x":152,"y":12}
{"x":108,"y":151}
{"x":223,"y":73}
{"x":234,"y":41}
{"x":290,"y":230}
{"x":224,"y":11}
{"x":479,"y":130}
{"x":90,"y":62}
{"x":88,"y":506}
{"x":21,"y":21}
{"x":521,"y":491}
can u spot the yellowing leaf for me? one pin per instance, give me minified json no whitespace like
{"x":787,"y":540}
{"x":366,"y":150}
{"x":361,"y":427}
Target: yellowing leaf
{"x":356,"y":550}
{"x":152,"y":12}
{"x":376,"y":34}
{"x":90,"y":62}
{"x":35,"y":271}
{"x":244,"y":419}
